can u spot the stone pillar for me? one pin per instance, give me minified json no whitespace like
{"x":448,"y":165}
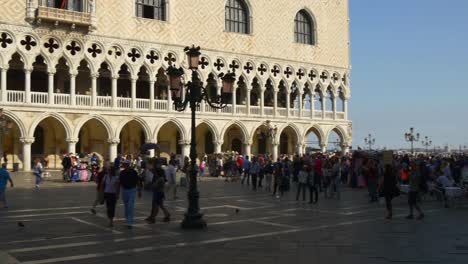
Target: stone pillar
{"x":312,"y":106}
{"x":299,"y":149}
{"x":113,"y":148}
{"x":345,"y":108}
{"x":247,"y":150}
{"x":94,"y":77}
{"x":27,"y":152}
{"x":151,"y":94}
{"x":288,"y":102}
{"x":50,"y":89}
{"x":3,"y":85}
{"x":72,"y":145}
{"x":169,"y":99}
{"x":300,"y":103}
{"x":114,"y":91}
{"x":27,"y":87}
{"x":73,"y":88}
{"x":262,"y":102}
{"x":248,"y":101}
{"x":334,"y":107}
{"x":218,"y":145}
{"x":275,"y":102}
{"x":133,"y":92}
{"x":324,"y":102}
{"x":234,"y":100}
{"x":185,"y":149}
{"x":275,"y":151}
{"x":323,"y":147}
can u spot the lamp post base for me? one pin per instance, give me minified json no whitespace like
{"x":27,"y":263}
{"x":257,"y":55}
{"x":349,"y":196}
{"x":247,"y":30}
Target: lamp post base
{"x":193,"y":221}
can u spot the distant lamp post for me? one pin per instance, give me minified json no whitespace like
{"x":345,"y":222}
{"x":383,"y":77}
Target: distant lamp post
{"x":412,"y":137}
{"x":195,"y":93}
{"x":369,"y":141}
{"x":5,"y":126}
{"x":426,"y":143}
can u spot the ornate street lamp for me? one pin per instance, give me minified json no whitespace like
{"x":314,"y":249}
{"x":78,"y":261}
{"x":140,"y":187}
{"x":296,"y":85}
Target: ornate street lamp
{"x":426,"y":143}
{"x":5,"y":126}
{"x":412,"y":137}
{"x":369,"y":141}
{"x":195,"y":93}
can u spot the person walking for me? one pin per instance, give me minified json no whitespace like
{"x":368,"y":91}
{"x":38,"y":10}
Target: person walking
{"x":110,"y":187}
{"x":67,"y":164}
{"x":302,"y":177}
{"x":37,"y":171}
{"x":130,"y":184}
{"x":312,"y":182}
{"x":278,"y":175}
{"x":99,"y":190}
{"x":414,"y":188}
{"x":158,"y":195}
{"x":170,"y":175}
{"x":254,"y":171}
{"x":4,"y":179}
{"x":246,"y":167}
{"x":268,"y":170}
{"x":389,"y":188}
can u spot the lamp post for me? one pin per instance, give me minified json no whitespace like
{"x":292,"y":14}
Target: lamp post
{"x":195,"y":93}
{"x":412,"y":137}
{"x":5,"y":126}
{"x":426,"y":143}
{"x":369,"y":141}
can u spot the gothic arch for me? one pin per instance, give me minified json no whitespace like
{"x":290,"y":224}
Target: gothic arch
{"x":139,"y":120}
{"x":98,"y":118}
{"x":317,"y":130}
{"x":177,"y":123}
{"x":56,"y":116}
{"x":340,"y":132}
{"x":241,"y":126}
{"x":212,"y":127}
{"x":293,"y":127}
{"x":17,"y":121}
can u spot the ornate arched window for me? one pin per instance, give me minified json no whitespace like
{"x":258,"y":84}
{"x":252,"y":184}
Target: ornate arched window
{"x":237,"y":16}
{"x":152,"y":9}
{"x":304,"y":30}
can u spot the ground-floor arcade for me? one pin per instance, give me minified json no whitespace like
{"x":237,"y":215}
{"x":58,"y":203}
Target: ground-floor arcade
{"x":49,"y":135}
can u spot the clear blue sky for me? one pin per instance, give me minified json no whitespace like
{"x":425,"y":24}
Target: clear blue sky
{"x":409,"y":68}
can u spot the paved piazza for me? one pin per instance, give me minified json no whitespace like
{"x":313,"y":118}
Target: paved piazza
{"x":60,"y":229}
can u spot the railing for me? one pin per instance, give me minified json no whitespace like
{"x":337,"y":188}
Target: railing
{"x":317,"y":114}
{"x":269,"y":111}
{"x":63,"y":15}
{"x":306,"y":113}
{"x":282,"y":111}
{"x":83,"y":100}
{"x":329,"y":114}
{"x":209,"y":109}
{"x":294,"y":112}
{"x":62,"y":99}
{"x":15,"y":96}
{"x":142,"y":104}
{"x":241,"y":109}
{"x":160,"y":105}
{"x":104,"y":101}
{"x":39,"y":98}
{"x":340,"y":115}
{"x":255,"y":110}
{"x":123,"y":102}
{"x":227,"y":110}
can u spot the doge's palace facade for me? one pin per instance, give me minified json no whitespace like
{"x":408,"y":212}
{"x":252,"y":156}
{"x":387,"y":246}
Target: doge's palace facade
{"x":89,"y":75}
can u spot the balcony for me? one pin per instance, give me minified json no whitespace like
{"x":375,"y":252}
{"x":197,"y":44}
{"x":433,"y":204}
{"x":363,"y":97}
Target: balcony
{"x":64,"y":16}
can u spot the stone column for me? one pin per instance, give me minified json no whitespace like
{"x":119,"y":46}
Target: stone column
{"x":133,"y":92}
{"x":248,"y":101}
{"x":94,"y":77}
{"x":275,"y":151}
{"x":234,"y":100}
{"x":262,"y":102}
{"x":114,"y":91}
{"x":169,"y":99}
{"x":345,"y":108}
{"x":72,"y":145}
{"x":323,"y":147}
{"x":113,"y":148}
{"x":151,"y":94}
{"x":288,"y":102}
{"x":73,"y":88}
{"x":27,"y":152}
{"x":185,"y":149}
{"x":27,"y":86}
{"x":275,"y":102}
{"x":324,"y":102}
{"x":334,"y":107}
{"x":300,"y":103}
{"x":3,"y":85}
{"x":299,"y":149}
{"x":247,"y":150}
{"x":312,"y":106}
{"x":218,"y":145}
{"x":50,"y":89}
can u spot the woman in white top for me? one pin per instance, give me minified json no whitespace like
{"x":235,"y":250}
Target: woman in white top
{"x":110,"y":187}
{"x":37,"y":171}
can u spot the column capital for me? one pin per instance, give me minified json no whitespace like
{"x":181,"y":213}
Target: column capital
{"x":72,"y":140}
{"x":152,"y":80}
{"x":220,"y":142}
{"x":4,"y":68}
{"x":113,"y":141}
{"x":73,"y":73}
{"x":184,"y":142}
{"x":27,"y":140}
{"x":51,"y":71}
{"x":115,"y":76}
{"x":249,"y":142}
{"x":151,"y":141}
{"x":28,"y":69}
{"x":94,"y":75}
